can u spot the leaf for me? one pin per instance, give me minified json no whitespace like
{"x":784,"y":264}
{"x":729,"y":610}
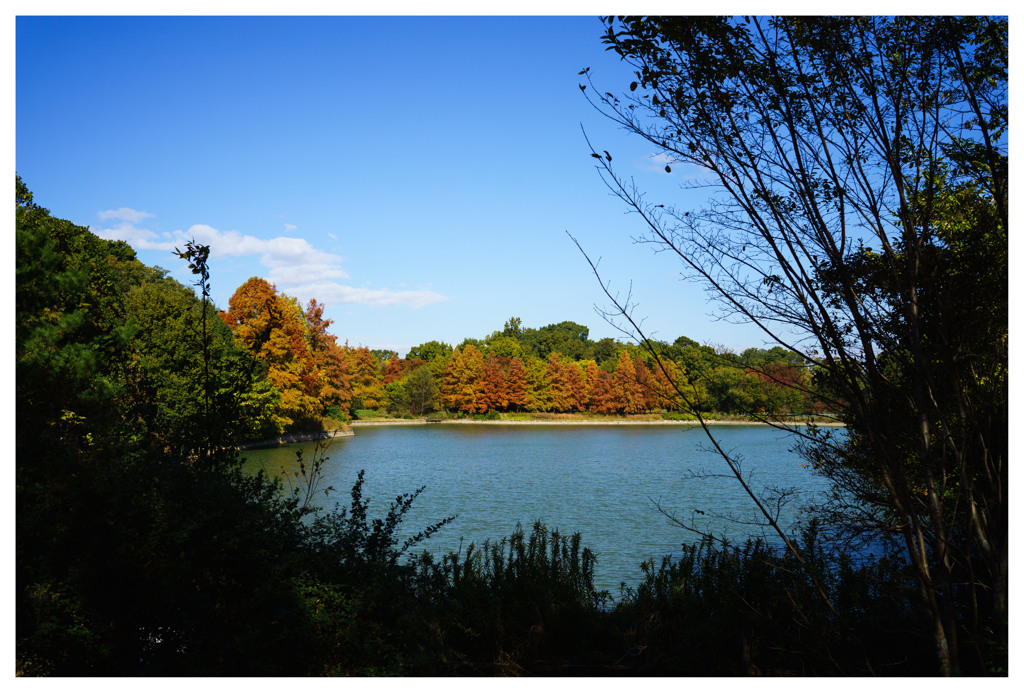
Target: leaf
{"x":632,"y":86}
{"x":668,"y":169}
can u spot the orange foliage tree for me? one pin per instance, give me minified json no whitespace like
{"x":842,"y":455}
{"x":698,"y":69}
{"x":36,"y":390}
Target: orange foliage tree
{"x":461,"y":384}
{"x":560,"y":397}
{"x":335,"y":381}
{"x":577,"y":385}
{"x":629,"y":393}
{"x":667,"y":376}
{"x":272,"y":327}
{"x":603,"y":399}
{"x":367,"y":385}
{"x":516,"y":384}
{"x":394,"y":368}
{"x":495,"y":394}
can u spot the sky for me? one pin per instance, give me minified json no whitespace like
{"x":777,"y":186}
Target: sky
{"x":423,"y":177}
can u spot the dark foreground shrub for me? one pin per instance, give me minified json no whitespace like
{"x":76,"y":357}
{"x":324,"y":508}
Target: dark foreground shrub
{"x":161,"y":569}
{"x":520,"y":603}
{"x":721,"y":609}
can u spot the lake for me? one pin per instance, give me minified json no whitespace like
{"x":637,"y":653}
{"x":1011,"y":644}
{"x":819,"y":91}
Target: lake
{"x":601,"y":481}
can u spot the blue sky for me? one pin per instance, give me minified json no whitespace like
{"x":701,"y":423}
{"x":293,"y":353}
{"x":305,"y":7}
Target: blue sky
{"x":418,"y":175}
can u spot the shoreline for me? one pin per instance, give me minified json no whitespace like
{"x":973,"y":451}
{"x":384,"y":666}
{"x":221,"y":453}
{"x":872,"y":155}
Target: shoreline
{"x":289,"y":438}
{"x":308,"y":437}
{"x":576,"y":422}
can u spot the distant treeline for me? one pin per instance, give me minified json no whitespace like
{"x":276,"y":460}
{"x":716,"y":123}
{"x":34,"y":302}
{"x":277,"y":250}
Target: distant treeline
{"x":556,"y":368}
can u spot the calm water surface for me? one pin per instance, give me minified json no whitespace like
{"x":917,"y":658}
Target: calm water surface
{"x":601,"y":481}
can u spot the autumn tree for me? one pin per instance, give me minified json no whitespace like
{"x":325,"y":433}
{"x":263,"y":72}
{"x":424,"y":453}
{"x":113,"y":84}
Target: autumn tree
{"x":368,"y":390}
{"x":336,"y":382}
{"x":577,"y":385}
{"x":666,"y":376}
{"x":393,"y":369}
{"x":603,"y":398}
{"x":273,"y":329}
{"x":589,"y":370}
{"x":517,"y":384}
{"x":859,"y":174}
{"x":538,"y":386}
{"x":495,"y":391}
{"x":461,"y":388}
{"x":559,"y":384}
{"x":629,"y":391}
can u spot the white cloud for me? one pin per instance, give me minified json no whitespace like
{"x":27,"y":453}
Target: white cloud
{"x":290,"y":261}
{"x":140,"y":239}
{"x":290,"y":227}
{"x":330,"y":292}
{"x":293,"y":264}
{"x":128,"y":214}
